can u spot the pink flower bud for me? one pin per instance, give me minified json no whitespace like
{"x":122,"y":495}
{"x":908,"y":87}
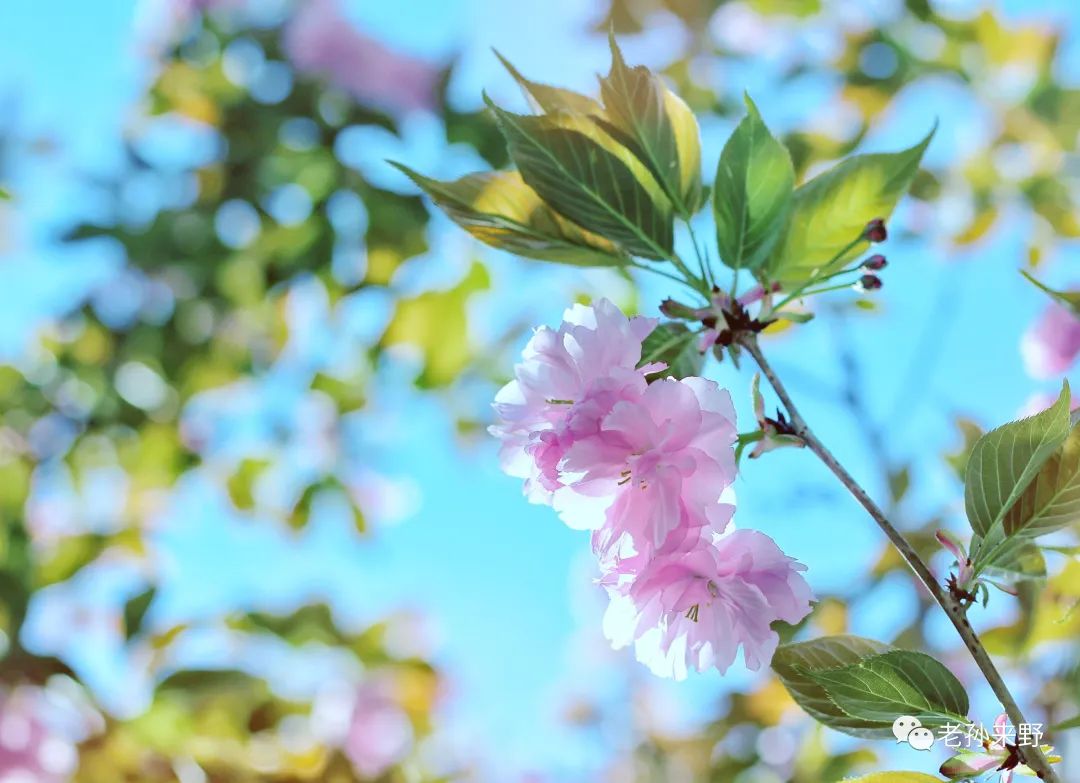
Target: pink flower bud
{"x":875,"y":231}
{"x":875,"y":263}
{"x":869,"y":283}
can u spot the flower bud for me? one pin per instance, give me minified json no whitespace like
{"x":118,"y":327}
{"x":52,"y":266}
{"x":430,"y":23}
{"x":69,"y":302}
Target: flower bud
{"x":673,"y":309}
{"x":875,"y":231}
{"x":869,"y":283}
{"x":875,"y":263}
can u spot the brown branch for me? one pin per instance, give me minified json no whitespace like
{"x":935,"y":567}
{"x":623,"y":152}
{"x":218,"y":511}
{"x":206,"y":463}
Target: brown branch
{"x":956,"y":611}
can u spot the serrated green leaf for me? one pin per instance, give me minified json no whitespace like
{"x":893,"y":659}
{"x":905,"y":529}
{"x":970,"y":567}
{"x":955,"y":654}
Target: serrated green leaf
{"x":546,"y":98}
{"x":1052,"y":500}
{"x":500,"y":210}
{"x":752,"y":195}
{"x":1070,"y":299}
{"x":793,"y":662}
{"x":590,"y":179}
{"x":657,"y":126}
{"x":832,"y":209}
{"x":1003,"y":463}
{"x":676,"y":346}
{"x":884,"y":687}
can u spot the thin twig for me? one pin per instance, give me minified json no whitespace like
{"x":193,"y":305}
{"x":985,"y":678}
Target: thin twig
{"x":657,"y":271}
{"x":702,"y":265}
{"x":956,"y":612}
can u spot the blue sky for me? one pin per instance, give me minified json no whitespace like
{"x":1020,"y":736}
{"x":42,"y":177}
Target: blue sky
{"x":504,"y":585}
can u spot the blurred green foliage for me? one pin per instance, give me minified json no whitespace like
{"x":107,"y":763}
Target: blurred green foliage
{"x":209,"y":289}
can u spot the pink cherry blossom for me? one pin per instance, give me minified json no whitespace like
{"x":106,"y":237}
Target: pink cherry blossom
{"x":321,"y":40}
{"x":665,"y":457}
{"x":695,"y":608}
{"x":568,"y":381}
{"x":1050,"y":347}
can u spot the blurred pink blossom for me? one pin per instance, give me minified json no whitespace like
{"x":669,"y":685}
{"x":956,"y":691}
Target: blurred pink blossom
{"x":695,"y":608}
{"x":380,"y":734}
{"x":320,"y":40}
{"x":1050,"y":347}
{"x":29,"y":749}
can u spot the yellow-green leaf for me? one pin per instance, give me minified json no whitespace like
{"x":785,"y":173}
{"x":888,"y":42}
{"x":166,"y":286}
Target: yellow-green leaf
{"x":1052,"y":500}
{"x":546,"y":98}
{"x":657,"y":126}
{"x":590,"y":179}
{"x":1002,"y":465}
{"x":499,"y":209}
{"x":830,"y":212}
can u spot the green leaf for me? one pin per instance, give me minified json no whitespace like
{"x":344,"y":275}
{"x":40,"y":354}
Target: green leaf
{"x":499,"y":209}
{"x":69,"y":556}
{"x":1052,"y":500}
{"x":657,"y":126}
{"x":588,"y":178}
{"x":314,"y":624}
{"x":794,"y":663}
{"x":135,"y":611}
{"x":1072,"y":723}
{"x":241,"y":484}
{"x":676,"y":346}
{"x":1070,"y":299}
{"x":755,"y":181}
{"x":830,"y":211}
{"x":881,"y":688}
{"x":1002,"y":465}
{"x":551,"y":99}
{"x":1019,"y":561}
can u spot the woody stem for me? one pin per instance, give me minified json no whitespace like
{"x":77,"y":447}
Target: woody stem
{"x":955,"y":610}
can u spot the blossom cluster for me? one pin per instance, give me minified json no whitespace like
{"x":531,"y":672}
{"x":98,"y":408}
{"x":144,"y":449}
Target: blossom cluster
{"x":648,"y":467}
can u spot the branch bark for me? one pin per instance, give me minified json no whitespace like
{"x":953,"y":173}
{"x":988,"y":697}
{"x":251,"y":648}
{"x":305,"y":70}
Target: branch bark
{"x":954,"y":610}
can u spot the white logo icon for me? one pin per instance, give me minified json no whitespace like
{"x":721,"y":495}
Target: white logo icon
{"x":902,"y":727}
{"x":910,"y":730}
{"x":921,"y":739}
